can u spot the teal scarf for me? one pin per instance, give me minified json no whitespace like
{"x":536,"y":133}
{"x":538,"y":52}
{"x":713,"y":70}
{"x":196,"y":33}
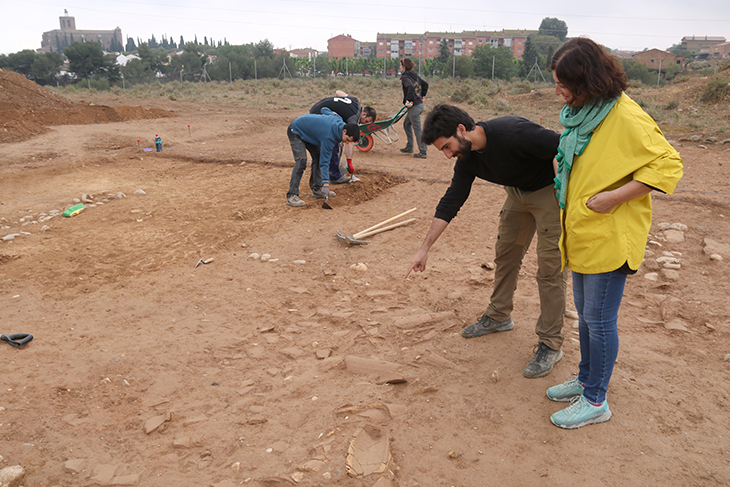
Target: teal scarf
{"x":579,"y":123}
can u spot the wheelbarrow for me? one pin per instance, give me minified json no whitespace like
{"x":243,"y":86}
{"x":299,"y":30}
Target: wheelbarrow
{"x":384,"y":130}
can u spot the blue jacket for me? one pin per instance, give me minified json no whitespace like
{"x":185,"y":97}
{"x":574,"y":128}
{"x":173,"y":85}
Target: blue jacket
{"x":323,"y":130}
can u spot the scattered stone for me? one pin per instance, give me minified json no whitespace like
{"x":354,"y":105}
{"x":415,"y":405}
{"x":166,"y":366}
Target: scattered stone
{"x":140,"y":192}
{"x":153,"y":423}
{"x":674,"y":236}
{"x":312,"y":466}
{"x":359,"y":267}
{"x":710,"y":246}
{"x":103,"y":473}
{"x":11,"y":476}
{"x":323,"y":353}
{"x":670,"y":274}
{"x":181,"y":442}
{"x":727,"y":358}
{"x":495,"y":376}
{"x":254,"y":256}
{"x":256,"y":419}
{"x":716,"y":257}
{"x":297,"y":476}
{"x":668,"y":259}
{"x":265,"y":257}
{"x":200,"y":418}
{"x":368,"y":452}
{"x":300,"y":261}
{"x":651,"y":265}
{"x":676,"y":324}
{"x":75,"y":466}
{"x":572,"y":314}
{"x":489,"y":266}
{"x":651,"y":276}
{"x":131,"y":479}
{"x":11,"y":236}
{"x":87,"y":198}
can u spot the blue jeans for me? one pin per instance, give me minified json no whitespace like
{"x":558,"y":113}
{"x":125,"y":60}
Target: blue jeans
{"x":597,"y":300}
{"x":299,"y":149}
{"x":412,"y":125}
{"x":335,"y":173}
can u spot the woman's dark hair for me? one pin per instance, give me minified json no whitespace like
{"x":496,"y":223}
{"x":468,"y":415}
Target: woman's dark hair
{"x":588,"y":70}
{"x":442,"y":121}
{"x":407,"y":64}
{"x":353,"y":130}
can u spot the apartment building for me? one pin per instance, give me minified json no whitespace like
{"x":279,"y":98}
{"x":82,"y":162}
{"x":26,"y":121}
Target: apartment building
{"x":428,"y":44}
{"x":343,"y":46}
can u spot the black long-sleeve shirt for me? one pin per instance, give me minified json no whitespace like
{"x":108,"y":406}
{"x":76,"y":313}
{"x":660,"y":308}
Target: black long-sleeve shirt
{"x":519,"y":153}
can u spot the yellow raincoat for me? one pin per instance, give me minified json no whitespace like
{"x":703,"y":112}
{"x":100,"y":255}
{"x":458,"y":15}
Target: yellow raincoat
{"x":626,"y":146}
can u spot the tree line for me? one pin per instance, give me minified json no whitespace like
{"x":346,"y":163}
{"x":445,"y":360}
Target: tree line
{"x":220,"y":61}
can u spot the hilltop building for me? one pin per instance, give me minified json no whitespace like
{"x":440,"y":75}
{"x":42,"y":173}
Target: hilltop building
{"x":59,"y":39}
{"x":656,"y":59}
{"x":698,"y":43}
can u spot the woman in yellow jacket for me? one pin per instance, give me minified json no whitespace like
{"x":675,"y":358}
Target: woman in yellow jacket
{"x":611,"y":156}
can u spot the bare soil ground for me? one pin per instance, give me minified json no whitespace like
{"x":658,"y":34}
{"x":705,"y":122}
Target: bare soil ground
{"x":147,"y":370}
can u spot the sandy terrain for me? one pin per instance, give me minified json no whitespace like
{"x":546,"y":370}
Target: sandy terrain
{"x":147,"y":370}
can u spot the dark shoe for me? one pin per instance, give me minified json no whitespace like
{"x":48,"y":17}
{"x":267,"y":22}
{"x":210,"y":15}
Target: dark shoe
{"x":406,"y":150}
{"x":543,"y":361}
{"x":485,"y":326}
{"x":420,"y":155}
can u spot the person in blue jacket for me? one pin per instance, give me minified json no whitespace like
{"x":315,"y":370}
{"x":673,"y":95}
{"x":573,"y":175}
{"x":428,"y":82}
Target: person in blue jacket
{"x":317,"y":134}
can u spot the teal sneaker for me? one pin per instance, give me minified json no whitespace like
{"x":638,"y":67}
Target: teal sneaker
{"x":566,"y":391}
{"x":581,"y":413}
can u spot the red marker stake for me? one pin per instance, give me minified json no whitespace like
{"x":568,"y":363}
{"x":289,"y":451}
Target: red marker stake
{"x":189,"y":132}
{"x":138,"y":147}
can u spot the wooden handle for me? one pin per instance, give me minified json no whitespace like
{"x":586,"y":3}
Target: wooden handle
{"x":360,"y":234}
{"x":389,"y":227}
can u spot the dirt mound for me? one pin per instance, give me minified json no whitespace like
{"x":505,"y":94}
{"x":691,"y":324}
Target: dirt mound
{"x":27,"y":109}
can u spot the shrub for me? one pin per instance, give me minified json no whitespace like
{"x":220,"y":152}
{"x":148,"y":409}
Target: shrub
{"x":715,"y":90}
{"x":460,"y":94}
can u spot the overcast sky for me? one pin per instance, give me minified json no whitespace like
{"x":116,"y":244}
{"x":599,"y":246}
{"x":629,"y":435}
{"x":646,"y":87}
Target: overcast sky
{"x":292,"y":24}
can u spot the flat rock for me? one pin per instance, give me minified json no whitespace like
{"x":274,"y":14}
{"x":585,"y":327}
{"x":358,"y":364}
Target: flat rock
{"x":676,"y":324}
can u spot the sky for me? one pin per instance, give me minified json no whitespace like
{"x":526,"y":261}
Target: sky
{"x":292,"y":24}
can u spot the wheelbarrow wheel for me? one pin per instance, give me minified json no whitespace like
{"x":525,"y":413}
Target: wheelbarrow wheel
{"x":366,"y":143}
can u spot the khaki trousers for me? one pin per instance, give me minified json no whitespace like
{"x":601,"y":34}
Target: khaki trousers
{"x":524,"y":213}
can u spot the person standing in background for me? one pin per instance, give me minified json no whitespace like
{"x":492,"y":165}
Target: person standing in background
{"x":414,"y":90}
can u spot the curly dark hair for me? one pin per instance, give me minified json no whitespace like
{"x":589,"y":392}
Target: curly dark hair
{"x":443,"y":120}
{"x":588,"y":70}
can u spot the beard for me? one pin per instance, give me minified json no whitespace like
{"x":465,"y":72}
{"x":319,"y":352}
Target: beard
{"x":464,"y":147}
